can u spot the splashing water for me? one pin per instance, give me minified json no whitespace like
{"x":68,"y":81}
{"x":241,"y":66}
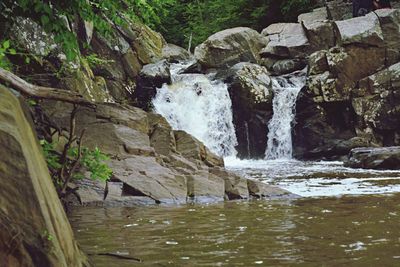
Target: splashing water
{"x":286,"y":90}
{"x":202,"y":107}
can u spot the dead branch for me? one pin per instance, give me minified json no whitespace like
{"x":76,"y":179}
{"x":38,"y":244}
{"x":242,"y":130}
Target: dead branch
{"x":32,"y":90}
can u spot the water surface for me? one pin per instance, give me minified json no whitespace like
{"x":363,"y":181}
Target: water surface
{"x":351,"y":230}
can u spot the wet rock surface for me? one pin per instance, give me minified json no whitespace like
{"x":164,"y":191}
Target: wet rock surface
{"x":374,"y":158}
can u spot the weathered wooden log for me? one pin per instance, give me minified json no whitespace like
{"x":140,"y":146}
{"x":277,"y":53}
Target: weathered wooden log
{"x":32,"y":90}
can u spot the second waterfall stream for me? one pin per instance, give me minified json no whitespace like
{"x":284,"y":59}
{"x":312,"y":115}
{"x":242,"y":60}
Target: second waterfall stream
{"x":286,"y":89}
{"x":202,"y":107}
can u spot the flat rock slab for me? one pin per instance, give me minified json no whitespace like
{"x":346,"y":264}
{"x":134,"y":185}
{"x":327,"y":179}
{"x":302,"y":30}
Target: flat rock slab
{"x":374,"y":158}
{"x":286,"y":40}
{"x":361,"y":30}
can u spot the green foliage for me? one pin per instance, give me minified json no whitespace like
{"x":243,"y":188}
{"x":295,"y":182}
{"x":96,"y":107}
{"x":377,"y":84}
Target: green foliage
{"x":201,"y":18}
{"x":47,"y":236}
{"x":94,"y":60}
{"x":92,"y":161}
{"x":4,"y":50}
{"x":52,"y":158}
{"x":56,"y":16}
{"x":292,"y":8}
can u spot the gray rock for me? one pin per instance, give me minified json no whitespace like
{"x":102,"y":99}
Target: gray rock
{"x":261,"y":190}
{"x":374,"y":158}
{"x":229,"y":47}
{"x":147,"y":177}
{"x":320,"y":34}
{"x":205,"y":187}
{"x":175,"y":53}
{"x":286,"y":66}
{"x":131,"y":64}
{"x":318,"y":63}
{"x":286,"y":40}
{"x":252,"y":80}
{"x":192,"y":148}
{"x":30,"y":36}
{"x":235,"y":186}
{"x":361,"y":30}
{"x":156,"y":71}
{"x":318,"y":14}
{"x":161,"y":135}
{"x":390,"y":24}
{"x":251,"y":92}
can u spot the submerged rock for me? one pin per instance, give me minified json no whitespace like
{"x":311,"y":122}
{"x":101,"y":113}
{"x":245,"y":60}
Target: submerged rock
{"x":374,"y":158}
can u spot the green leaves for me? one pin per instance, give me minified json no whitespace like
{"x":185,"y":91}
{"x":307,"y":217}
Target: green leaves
{"x":6,"y":44}
{"x":87,"y":160}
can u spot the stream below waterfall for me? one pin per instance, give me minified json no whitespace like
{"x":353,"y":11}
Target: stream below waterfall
{"x":343,"y":216}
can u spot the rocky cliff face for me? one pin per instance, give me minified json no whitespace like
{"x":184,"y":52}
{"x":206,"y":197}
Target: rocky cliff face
{"x":350,"y":98}
{"x":34,"y":230}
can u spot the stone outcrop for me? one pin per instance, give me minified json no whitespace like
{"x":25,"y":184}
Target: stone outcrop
{"x":151,"y":162}
{"x":151,"y":77}
{"x":350,"y":99}
{"x":108,"y":74}
{"x":34,"y":230}
{"x":231,"y":46}
{"x":250,"y":88}
{"x":374,"y":158}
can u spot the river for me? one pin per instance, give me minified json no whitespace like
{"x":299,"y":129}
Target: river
{"x":344,"y":217}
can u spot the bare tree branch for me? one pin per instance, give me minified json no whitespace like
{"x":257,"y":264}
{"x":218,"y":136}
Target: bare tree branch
{"x":29,"y":89}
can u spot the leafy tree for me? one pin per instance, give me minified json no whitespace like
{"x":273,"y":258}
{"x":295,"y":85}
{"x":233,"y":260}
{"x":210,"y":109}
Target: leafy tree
{"x":198,"y":19}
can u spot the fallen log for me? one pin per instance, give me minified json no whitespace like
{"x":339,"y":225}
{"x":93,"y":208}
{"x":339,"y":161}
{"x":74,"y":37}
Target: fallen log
{"x":37,"y":91}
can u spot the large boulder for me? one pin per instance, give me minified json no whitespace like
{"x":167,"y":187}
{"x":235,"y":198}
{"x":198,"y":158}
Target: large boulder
{"x":31,"y":37}
{"x":151,"y":77}
{"x":377,"y":103}
{"x":231,"y":46}
{"x":192,"y":148}
{"x":250,"y":88}
{"x":324,"y":130}
{"x":363,"y":30}
{"x":147,"y":43}
{"x":174,"y":53}
{"x":374,"y":158}
{"x":34,"y":229}
{"x":286,"y":40}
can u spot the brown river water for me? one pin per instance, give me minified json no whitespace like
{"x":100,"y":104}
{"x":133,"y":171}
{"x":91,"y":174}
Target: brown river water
{"x":345,"y":218}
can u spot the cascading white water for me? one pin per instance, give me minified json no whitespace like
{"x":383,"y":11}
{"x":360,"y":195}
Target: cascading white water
{"x":200,"y":106}
{"x":286,"y":90}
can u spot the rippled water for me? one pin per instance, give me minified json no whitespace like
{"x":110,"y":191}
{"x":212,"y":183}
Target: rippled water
{"x":348,"y":218}
{"x":357,"y":231}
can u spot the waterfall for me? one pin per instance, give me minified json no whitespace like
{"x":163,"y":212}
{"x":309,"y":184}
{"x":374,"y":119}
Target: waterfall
{"x":200,"y":106}
{"x":286,"y":89}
